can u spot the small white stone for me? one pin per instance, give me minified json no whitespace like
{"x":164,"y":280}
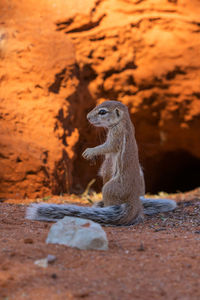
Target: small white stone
{"x":51,"y":258}
{"x":78,"y":233}
{"x":43,"y":263}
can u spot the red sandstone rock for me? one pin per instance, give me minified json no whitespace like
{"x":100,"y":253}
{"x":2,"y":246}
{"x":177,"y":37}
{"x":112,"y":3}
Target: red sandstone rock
{"x":59,"y":59}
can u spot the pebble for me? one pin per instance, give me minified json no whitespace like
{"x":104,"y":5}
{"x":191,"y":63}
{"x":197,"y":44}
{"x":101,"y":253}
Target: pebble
{"x":78,"y":233}
{"x":43,"y":263}
{"x":51,"y":258}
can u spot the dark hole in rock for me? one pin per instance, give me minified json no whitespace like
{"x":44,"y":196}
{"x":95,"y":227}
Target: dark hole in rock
{"x":174,"y":171}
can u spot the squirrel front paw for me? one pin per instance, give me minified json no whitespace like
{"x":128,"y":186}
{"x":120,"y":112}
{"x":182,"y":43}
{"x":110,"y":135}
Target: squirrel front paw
{"x":88,"y":153}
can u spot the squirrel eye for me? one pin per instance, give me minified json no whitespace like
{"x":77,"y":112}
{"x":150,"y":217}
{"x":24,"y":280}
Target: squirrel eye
{"x":102,"y":112}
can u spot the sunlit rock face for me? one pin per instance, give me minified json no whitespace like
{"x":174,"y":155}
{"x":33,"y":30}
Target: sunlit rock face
{"x":60,"y":58}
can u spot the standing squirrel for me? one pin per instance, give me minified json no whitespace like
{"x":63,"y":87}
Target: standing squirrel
{"x":123,"y":189}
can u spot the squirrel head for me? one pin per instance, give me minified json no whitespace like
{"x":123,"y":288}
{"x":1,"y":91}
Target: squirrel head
{"x":107,"y":114}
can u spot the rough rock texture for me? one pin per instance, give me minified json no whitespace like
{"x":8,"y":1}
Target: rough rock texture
{"x":78,"y":233}
{"x":41,"y":96}
{"x":58,"y":59}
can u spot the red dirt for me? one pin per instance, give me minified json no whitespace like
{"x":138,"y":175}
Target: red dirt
{"x":158,"y":259}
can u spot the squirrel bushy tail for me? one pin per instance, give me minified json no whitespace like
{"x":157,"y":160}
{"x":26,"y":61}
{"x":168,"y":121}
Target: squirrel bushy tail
{"x":110,"y":215}
{"x":153,"y":206}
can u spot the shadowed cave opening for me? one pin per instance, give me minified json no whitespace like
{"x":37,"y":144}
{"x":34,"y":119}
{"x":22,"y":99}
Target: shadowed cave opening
{"x":175,"y":171}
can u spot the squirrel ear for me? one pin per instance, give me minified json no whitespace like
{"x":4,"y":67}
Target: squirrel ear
{"x":117,"y":112}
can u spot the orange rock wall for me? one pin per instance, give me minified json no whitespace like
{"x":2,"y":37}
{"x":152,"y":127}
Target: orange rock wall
{"x":60,"y":58}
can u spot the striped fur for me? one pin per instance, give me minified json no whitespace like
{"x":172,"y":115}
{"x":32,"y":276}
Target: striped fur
{"x":154,"y":206}
{"x":110,"y":215}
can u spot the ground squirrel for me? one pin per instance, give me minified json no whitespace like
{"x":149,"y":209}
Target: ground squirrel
{"x":123,"y":189}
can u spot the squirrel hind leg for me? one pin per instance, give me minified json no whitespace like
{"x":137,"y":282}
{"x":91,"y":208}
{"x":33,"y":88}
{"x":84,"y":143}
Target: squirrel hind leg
{"x":137,"y":220}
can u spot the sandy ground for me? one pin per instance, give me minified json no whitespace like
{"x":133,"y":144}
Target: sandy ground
{"x":158,"y":259}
